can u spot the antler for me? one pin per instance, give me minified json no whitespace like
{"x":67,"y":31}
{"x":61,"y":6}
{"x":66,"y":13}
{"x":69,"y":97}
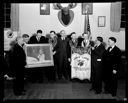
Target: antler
{"x":72,"y":5}
{"x":57,"y":6}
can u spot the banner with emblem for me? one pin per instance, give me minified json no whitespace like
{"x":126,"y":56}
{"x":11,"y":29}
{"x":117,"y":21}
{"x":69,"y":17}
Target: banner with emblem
{"x":80,"y":64}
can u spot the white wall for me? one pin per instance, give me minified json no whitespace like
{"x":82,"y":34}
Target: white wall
{"x":31,"y":21}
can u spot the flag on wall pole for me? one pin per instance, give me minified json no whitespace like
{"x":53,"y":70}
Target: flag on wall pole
{"x":87,"y":26}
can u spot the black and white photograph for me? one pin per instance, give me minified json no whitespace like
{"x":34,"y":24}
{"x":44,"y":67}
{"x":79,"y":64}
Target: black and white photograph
{"x":65,"y":51}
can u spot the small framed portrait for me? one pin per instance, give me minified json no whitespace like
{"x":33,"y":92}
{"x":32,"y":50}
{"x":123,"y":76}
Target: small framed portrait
{"x":87,"y":8}
{"x":44,"y":8}
{"x":101,"y":21}
{"x":38,"y":55}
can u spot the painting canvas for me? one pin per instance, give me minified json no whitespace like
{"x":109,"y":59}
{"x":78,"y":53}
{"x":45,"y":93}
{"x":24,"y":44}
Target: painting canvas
{"x":84,"y":8}
{"x":45,"y":9}
{"x":38,"y":55}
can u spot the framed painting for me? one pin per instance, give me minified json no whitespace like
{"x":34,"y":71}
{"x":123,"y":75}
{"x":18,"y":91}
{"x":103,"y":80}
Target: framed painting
{"x":44,"y":8}
{"x":87,"y":8}
{"x":101,"y":21}
{"x":38,"y":55}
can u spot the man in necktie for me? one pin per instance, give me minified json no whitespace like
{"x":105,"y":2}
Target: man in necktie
{"x":38,"y":38}
{"x":62,"y":52}
{"x":96,"y":65}
{"x":36,"y":74}
{"x":112,"y":60}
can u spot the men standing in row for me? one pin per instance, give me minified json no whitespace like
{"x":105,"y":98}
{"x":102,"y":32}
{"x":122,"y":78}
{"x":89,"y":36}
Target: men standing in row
{"x":62,"y":53}
{"x":97,"y":65}
{"x":112,"y":60}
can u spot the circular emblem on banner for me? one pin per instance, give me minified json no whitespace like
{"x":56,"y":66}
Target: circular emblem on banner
{"x":81,"y":62}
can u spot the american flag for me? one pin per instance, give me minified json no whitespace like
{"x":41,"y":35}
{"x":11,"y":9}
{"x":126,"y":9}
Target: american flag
{"x":87,"y":25}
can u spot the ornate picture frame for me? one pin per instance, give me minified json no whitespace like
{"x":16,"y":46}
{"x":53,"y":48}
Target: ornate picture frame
{"x":44,"y":8}
{"x":38,"y":55}
{"x":101,"y":21}
{"x":90,"y":8}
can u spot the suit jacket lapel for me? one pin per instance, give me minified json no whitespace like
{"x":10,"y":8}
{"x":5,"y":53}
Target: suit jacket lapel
{"x":113,"y":49}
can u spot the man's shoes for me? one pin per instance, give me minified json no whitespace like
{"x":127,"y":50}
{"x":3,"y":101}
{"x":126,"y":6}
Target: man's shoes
{"x":60,"y":78}
{"x":19,"y":94}
{"x":97,"y":92}
{"x":40,"y":81}
{"x":91,"y":89}
{"x":24,"y":91}
{"x":106,"y":92}
{"x":113,"y":95}
{"x":66,"y":78}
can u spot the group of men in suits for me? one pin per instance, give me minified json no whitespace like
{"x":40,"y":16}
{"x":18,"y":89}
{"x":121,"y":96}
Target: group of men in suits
{"x":105,"y":66}
{"x":61,"y":52}
{"x":104,"y":63}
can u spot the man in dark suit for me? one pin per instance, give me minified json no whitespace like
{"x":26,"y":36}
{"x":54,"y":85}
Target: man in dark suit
{"x":51,"y":71}
{"x":62,"y":55}
{"x":112,"y":60}
{"x":38,"y":74}
{"x":97,"y":65}
{"x":17,"y":64}
{"x":38,"y":38}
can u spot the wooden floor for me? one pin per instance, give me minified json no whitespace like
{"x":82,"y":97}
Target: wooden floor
{"x":60,"y":90}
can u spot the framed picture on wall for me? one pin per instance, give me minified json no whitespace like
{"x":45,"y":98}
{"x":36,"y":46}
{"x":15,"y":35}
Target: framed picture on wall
{"x":44,"y":8}
{"x":38,"y":55}
{"x":87,"y":8}
{"x":101,"y":21}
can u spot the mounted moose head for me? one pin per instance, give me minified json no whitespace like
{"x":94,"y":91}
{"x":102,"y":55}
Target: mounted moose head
{"x":65,"y":15}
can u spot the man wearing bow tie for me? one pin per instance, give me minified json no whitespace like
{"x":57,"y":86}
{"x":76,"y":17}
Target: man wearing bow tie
{"x":111,"y":60}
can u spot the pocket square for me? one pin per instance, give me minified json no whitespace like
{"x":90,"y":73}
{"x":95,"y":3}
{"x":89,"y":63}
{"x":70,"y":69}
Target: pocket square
{"x":98,"y":59}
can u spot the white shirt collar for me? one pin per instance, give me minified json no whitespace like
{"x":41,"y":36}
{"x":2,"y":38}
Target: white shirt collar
{"x":19,"y":44}
{"x":113,"y":46}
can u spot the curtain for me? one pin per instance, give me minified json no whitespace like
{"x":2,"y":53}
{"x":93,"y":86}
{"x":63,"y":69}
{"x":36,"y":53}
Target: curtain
{"x":14,"y":17}
{"x":115,"y":16}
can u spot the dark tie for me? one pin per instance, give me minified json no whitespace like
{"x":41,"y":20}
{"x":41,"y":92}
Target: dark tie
{"x":96,"y":47}
{"x":22,"y":45}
